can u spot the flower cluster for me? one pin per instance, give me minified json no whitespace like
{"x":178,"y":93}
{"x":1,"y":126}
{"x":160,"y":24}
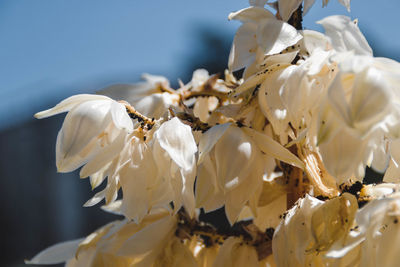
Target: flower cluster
{"x":283,"y":149}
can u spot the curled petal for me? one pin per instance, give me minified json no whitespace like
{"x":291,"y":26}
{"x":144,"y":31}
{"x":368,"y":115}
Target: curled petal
{"x":68,"y":104}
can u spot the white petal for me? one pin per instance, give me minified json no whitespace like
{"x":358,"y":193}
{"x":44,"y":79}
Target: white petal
{"x":244,"y":47}
{"x":99,"y":196}
{"x":345,"y":35}
{"x":285,"y":58}
{"x":342,"y":155}
{"x":392,"y":174}
{"x":103,"y":157}
{"x":155,"y":105}
{"x":275,"y":35}
{"x":81,"y":125}
{"x":251,"y":14}
{"x":148,"y":238}
{"x":315,"y":40}
{"x":57,"y":253}
{"x":68,"y":104}
{"x":234,"y":156}
{"x":273,"y":148}
{"x":240,"y":195}
{"x":287,"y":7}
{"x":370,"y":98}
{"x":209,"y":139}
{"x":177,"y":140}
{"x":120,"y":117}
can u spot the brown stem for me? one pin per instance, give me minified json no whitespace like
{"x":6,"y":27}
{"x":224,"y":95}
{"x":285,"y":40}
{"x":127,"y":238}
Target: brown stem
{"x":297,"y":18}
{"x":195,"y":123}
{"x":134,"y":114}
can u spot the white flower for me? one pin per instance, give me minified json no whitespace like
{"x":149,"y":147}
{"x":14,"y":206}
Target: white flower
{"x":141,"y":185}
{"x":231,"y":167}
{"x":261,"y":34}
{"x":376,"y":235}
{"x":158,"y":171}
{"x":310,"y":228}
{"x":92,"y":124}
{"x":345,"y":35}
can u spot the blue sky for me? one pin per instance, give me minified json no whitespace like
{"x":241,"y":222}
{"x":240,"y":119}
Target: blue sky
{"x":51,"y":49}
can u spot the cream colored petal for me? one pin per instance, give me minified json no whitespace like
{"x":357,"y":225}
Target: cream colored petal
{"x":135,"y":185}
{"x":244,"y":47}
{"x":240,"y":195}
{"x":234,"y":156}
{"x":293,"y":235}
{"x":392,"y":173}
{"x":275,"y":35}
{"x":153,"y":235}
{"x":370,"y":99}
{"x":345,"y":35}
{"x":252,"y":14}
{"x":273,"y":148}
{"x":177,"y":140}
{"x":209,"y":139}
{"x":57,"y":253}
{"x":68,"y":104}
{"x":342,"y":155}
{"x":287,"y":7}
{"x":156,"y":105}
{"x":120,"y":117}
{"x":81,"y":125}
{"x":104,"y":156}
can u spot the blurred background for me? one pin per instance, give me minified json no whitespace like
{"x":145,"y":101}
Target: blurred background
{"x":52,"y":49}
